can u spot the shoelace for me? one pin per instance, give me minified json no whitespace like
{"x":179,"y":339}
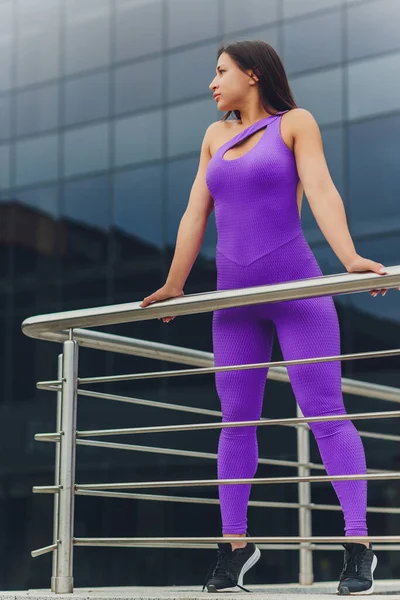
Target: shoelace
{"x":220,"y":569}
{"x":354,"y":565}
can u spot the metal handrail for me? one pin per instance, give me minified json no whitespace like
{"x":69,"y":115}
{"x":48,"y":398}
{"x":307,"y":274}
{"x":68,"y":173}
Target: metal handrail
{"x":51,"y":327}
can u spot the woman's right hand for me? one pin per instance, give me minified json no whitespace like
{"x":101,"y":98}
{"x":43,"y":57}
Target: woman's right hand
{"x":164,"y":293}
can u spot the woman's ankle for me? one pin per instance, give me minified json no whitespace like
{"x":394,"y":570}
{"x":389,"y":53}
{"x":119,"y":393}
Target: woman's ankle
{"x":238,"y":544}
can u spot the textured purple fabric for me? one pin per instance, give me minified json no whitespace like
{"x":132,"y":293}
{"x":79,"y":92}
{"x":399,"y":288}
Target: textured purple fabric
{"x":261,"y":241}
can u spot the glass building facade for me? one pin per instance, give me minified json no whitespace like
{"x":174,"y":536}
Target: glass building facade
{"x":103,"y":106}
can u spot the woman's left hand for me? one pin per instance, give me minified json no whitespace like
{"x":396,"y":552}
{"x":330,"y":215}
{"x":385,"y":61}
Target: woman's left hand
{"x":360,"y":263}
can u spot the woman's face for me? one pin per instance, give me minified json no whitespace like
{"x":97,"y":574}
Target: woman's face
{"x":230,"y":82}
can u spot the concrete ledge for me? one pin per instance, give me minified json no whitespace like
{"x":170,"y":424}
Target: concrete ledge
{"x":291,"y":591}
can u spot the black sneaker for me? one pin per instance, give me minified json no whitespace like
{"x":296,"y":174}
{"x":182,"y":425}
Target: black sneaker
{"x":357,"y":576}
{"x":227,"y":574}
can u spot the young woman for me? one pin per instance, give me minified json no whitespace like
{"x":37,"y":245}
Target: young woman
{"x":255,"y":169}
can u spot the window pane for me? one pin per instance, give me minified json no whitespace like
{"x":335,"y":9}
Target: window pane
{"x":256,"y":13}
{"x":86,"y":149}
{"x":45,"y":199}
{"x":138,"y":29}
{"x":87,"y":35}
{"x":88,"y":202}
{"x":313,"y":42}
{"x":138,"y":139}
{"x":5,"y":117}
{"x":138,"y":215}
{"x":139,"y":86}
{"x":187,"y":125}
{"x":6,"y":44}
{"x":374,"y":184}
{"x":86,"y":214}
{"x":37,"y":159}
{"x":320,"y":93}
{"x":37,"y":110}
{"x":189,"y":22}
{"x":367,"y":99}
{"x":292,"y":8}
{"x":5,"y":64}
{"x":37,"y":245}
{"x":4,"y":167}
{"x":373,"y":27}
{"x":196,"y":66}
{"x":87,"y":98}
{"x":38,"y":56}
{"x":6,"y":19}
{"x":271,"y":34}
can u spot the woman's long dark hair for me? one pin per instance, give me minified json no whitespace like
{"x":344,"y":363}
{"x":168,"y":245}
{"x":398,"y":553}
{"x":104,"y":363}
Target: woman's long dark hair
{"x":275,"y":92}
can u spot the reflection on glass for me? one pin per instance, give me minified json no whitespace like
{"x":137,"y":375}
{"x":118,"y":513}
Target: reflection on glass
{"x":138,"y":86}
{"x":86,"y":218}
{"x":187,"y":125}
{"x":5,"y":117}
{"x":190,"y":22}
{"x":87,"y":43}
{"x":366,"y":99}
{"x":321,"y":93}
{"x":138,"y":138}
{"x":37,"y":242}
{"x":293,"y":8}
{"x":38,"y":54}
{"x":86,"y":149}
{"x":180,"y":71}
{"x":373,"y":27}
{"x":313,"y":42}
{"x":258,"y":12}
{"x":37,"y":159}
{"x":138,"y":213}
{"x":4,"y":166}
{"x":6,"y":55}
{"x":37,"y":110}
{"x":88,"y":202}
{"x":138,"y":29}
{"x":87,"y":98}
{"x":374,"y":184}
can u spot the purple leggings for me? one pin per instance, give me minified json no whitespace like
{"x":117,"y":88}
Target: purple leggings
{"x":306,"y":328}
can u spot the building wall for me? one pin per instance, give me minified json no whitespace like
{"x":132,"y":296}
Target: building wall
{"x":103,"y":106}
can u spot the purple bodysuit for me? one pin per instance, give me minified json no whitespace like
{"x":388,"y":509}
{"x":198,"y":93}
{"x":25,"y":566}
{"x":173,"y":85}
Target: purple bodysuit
{"x":261,"y":241}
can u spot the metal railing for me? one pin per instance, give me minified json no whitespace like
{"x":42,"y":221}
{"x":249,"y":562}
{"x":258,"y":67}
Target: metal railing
{"x":68,"y":329}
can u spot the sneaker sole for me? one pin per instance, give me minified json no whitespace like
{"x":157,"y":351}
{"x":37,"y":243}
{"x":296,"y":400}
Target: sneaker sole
{"x":346,"y":592}
{"x":247,"y":565}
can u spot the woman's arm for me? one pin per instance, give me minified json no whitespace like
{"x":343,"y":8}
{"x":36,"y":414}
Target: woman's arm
{"x":194,"y":220}
{"x":325,"y":201}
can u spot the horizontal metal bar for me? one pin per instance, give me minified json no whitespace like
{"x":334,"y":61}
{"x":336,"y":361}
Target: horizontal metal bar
{"x":388,"y":547}
{"x":46,"y":489}
{"x":180,"y":354}
{"x":263,"y":422}
{"x":188,"y":453}
{"x":44,"y":550}
{"x":325,"y":285}
{"x":180,"y":499}
{"x":247,"y":480}
{"x":380,"y":436}
{"x":254,"y":539}
{"x":241,"y":367}
{"x":256,"y":503}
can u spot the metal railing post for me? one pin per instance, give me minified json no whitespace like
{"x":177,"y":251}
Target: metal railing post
{"x":57,"y":474}
{"x":306,"y":574}
{"x":64,"y":581}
